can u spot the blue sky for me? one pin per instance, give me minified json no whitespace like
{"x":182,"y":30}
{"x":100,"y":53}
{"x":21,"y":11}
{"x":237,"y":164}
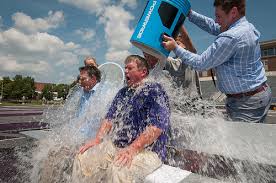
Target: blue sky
{"x":48,"y":39}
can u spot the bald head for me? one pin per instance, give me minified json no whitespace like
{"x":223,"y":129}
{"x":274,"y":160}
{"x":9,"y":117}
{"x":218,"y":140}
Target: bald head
{"x":90,"y":61}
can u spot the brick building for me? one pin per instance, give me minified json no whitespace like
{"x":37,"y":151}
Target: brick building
{"x":39,"y":87}
{"x":269,"y":55}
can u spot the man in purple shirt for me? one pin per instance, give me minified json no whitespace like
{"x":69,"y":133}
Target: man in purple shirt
{"x":130,"y":143}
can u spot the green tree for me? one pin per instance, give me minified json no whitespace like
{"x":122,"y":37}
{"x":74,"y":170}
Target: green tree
{"x":47,"y":92}
{"x":7,"y":87}
{"x":62,"y":90}
{"x":17,"y":86}
{"x":28,"y":89}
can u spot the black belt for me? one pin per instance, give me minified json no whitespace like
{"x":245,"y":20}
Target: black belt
{"x":259,"y":89}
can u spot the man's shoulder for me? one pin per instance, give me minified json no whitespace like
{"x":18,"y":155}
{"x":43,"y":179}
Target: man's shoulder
{"x":152,"y":85}
{"x":123,"y":90}
{"x":153,"y":88}
{"x":239,"y":30}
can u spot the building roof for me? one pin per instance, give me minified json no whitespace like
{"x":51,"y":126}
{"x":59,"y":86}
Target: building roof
{"x":267,"y":44}
{"x":39,"y":86}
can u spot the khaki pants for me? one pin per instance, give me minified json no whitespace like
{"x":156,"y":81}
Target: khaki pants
{"x":96,"y":165}
{"x":58,"y":166}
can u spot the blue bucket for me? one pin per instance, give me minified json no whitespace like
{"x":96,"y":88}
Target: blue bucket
{"x":159,"y":17}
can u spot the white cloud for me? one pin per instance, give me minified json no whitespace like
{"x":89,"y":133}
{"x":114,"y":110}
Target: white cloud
{"x":37,"y":42}
{"x":116,"y":20}
{"x":117,"y":32}
{"x":39,"y":54}
{"x":83,"y":51}
{"x":67,"y":59}
{"x":27,"y":24}
{"x":130,"y":3}
{"x":92,"y":6}
{"x":10,"y":64}
{"x":86,"y":33}
{"x":117,"y":55}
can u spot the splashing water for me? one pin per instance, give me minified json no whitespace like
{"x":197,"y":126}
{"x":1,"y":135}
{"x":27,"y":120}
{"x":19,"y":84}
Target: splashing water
{"x":200,"y":140}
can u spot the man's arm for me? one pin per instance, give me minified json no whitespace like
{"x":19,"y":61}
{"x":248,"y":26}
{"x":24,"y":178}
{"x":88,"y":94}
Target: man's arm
{"x":174,"y":65}
{"x":186,"y":40}
{"x":216,"y":54}
{"x":125,"y":156}
{"x":205,"y":23}
{"x":103,"y":130}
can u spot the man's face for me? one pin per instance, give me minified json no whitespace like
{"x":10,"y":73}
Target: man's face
{"x":133,"y":74}
{"x":223,"y":19}
{"x":90,"y":62}
{"x":152,"y":61}
{"x":87,"y":82}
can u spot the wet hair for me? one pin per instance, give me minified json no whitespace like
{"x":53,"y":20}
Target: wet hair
{"x":92,"y":71}
{"x":78,"y":78}
{"x":140,"y":61}
{"x":227,"y":5}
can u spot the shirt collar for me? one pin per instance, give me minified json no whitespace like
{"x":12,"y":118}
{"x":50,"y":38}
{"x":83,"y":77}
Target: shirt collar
{"x":92,"y":90}
{"x":95,"y":87}
{"x":241,"y":20}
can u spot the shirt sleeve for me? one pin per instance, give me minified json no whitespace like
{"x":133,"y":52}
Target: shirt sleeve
{"x":159,"y":111}
{"x":205,"y":23}
{"x":216,"y":54}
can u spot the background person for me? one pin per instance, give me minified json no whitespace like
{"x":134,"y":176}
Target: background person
{"x":59,"y":161}
{"x":90,"y":77}
{"x":90,"y":61}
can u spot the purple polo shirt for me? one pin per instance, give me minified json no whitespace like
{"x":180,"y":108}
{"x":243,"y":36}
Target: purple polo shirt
{"x":132,"y":110}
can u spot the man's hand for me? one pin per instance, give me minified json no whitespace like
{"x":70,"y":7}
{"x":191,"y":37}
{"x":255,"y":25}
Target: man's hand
{"x":125,"y":156}
{"x":169,"y":43}
{"x":181,"y":44}
{"x":89,"y":145}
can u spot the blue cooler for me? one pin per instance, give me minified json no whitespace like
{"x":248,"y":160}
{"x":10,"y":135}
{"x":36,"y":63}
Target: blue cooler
{"x":159,"y":17}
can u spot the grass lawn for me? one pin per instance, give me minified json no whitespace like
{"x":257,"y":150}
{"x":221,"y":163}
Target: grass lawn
{"x":33,"y":103}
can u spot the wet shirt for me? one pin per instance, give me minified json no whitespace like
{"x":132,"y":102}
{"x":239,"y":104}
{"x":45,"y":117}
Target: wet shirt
{"x":133,"y":110}
{"x":85,"y":101}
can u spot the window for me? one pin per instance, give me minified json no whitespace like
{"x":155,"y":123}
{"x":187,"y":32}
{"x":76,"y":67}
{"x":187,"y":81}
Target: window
{"x":265,"y":62}
{"x":269,"y":52}
{"x":167,"y":13}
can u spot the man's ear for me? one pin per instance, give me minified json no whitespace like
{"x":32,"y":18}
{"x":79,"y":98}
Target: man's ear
{"x":144,"y":72}
{"x":234,"y":12}
{"x":94,"y":79}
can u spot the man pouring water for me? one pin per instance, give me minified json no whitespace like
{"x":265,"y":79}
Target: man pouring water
{"x":235,"y":56}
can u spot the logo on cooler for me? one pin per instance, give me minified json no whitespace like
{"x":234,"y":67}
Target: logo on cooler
{"x":141,"y":31}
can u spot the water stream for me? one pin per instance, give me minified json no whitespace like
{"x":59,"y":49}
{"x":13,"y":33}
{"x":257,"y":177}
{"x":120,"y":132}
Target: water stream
{"x":201,"y":140}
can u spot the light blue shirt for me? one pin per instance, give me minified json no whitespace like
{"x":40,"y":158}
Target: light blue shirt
{"x":84,"y":99}
{"x":235,"y":55}
{"x":85,"y":102}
